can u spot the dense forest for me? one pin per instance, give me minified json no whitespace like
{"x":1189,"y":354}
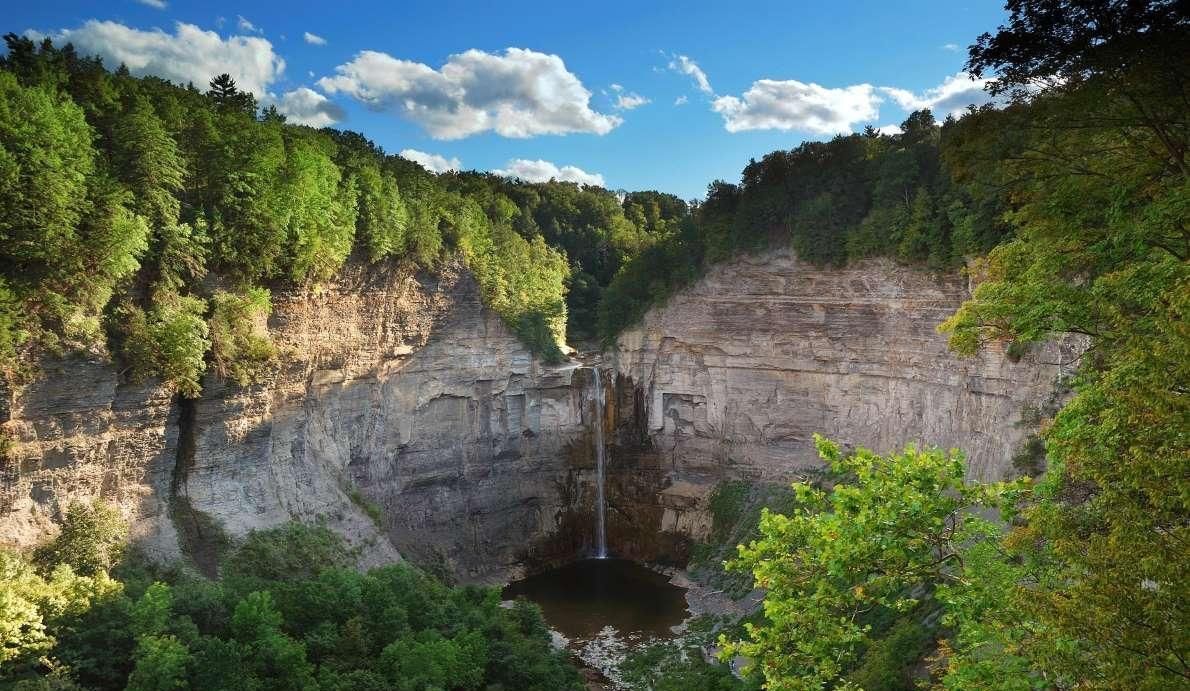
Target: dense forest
{"x":150,"y":221}
{"x":290,"y":612}
{"x":154,"y":220}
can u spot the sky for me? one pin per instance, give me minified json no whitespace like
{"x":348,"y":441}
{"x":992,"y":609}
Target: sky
{"x":628,"y":95}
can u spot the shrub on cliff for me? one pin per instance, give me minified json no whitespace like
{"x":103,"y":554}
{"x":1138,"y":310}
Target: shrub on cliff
{"x":91,"y":540}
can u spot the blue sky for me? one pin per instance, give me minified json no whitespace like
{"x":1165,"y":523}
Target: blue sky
{"x":774,"y":73}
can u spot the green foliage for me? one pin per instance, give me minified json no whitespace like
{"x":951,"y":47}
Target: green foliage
{"x":291,"y":614}
{"x":170,"y":342}
{"x":1092,"y":589}
{"x":530,"y":301}
{"x":894,"y":522}
{"x":12,"y":332}
{"x":321,"y":215}
{"x":383,"y":216}
{"x":241,"y":349}
{"x":67,"y":235}
{"x":736,"y":507}
{"x":369,"y":507}
{"x":888,"y":663}
{"x":91,"y":540}
{"x":161,"y":663}
{"x":37,"y":607}
{"x":679,"y":666}
{"x":293,"y":551}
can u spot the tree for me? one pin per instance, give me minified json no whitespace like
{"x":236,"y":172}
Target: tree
{"x":226,"y":96}
{"x":889,"y":524}
{"x":1099,"y":260}
{"x":1129,"y":52}
{"x":161,"y":664}
{"x":322,"y":208}
{"x":149,"y":162}
{"x":91,"y":540}
{"x":241,"y":348}
{"x":33,"y":605}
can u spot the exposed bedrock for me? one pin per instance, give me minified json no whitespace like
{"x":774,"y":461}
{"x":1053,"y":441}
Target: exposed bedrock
{"x":733,"y":376}
{"x":407,"y":417}
{"x":402,"y":413}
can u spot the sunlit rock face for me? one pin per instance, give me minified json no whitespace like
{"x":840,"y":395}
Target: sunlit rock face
{"x":402,"y":413}
{"x":733,"y":376}
{"x":77,"y":432}
{"x":406,"y":416}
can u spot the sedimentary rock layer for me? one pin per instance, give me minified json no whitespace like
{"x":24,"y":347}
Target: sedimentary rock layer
{"x":401,"y":412}
{"x":733,"y":376}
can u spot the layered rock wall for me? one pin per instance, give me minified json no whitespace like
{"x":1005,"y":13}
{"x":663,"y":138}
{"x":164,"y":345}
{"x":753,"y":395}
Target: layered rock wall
{"x":733,"y":376}
{"x":401,"y":412}
{"x":406,"y":416}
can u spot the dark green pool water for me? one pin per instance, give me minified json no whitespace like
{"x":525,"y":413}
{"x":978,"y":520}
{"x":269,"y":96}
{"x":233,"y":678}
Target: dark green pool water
{"x":582,"y":599}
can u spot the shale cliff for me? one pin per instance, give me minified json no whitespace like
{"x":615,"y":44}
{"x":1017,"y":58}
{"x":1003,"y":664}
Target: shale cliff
{"x":401,"y":412}
{"x":733,"y":376}
{"x":406,"y":416}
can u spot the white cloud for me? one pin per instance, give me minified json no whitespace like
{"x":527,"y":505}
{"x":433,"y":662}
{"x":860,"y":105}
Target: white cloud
{"x":685,"y":65}
{"x":952,"y":96}
{"x":543,"y":171}
{"x":792,"y":105}
{"x":681,"y":101}
{"x":245,"y":25}
{"x":627,"y":100}
{"x":890,"y":129}
{"x":190,"y":54}
{"x":155,"y":4}
{"x":314,"y":39}
{"x":952,"y":47}
{"x":304,"y":106}
{"x":520,"y":93}
{"x":431,"y":162}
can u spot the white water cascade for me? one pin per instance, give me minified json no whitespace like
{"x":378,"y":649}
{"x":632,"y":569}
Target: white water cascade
{"x":600,"y":459}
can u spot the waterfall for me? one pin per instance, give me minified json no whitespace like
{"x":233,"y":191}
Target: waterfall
{"x":600,"y":459}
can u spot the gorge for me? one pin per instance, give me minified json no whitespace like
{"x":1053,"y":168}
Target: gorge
{"x":877,"y":380}
{"x":405,"y":415}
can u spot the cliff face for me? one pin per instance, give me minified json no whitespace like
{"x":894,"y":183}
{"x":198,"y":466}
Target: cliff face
{"x":77,"y":432}
{"x":402,"y":413}
{"x":733,"y":376}
{"x":407,"y":417}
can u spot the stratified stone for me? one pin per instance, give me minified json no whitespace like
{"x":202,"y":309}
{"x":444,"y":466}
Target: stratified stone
{"x":733,"y":376}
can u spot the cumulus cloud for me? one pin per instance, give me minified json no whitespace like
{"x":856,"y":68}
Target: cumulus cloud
{"x":308,"y":107}
{"x":681,"y":101}
{"x":431,"y":162}
{"x":155,"y":4}
{"x":683,"y":64}
{"x":793,"y":105}
{"x":627,"y":100}
{"x":520,"y":93}
{"x":543,"y":171}
{"x":190,"y":54}
{"x":952,"y":47}
{"x":314,"y":39}
{"x":952,"y":96}
{"x":890,"y":129}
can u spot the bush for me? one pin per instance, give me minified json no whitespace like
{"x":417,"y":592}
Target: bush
{"x":290,"y":552}
{"x":241,"y":349}
{"x":169,"y":342}
{"x":91,"y":541}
